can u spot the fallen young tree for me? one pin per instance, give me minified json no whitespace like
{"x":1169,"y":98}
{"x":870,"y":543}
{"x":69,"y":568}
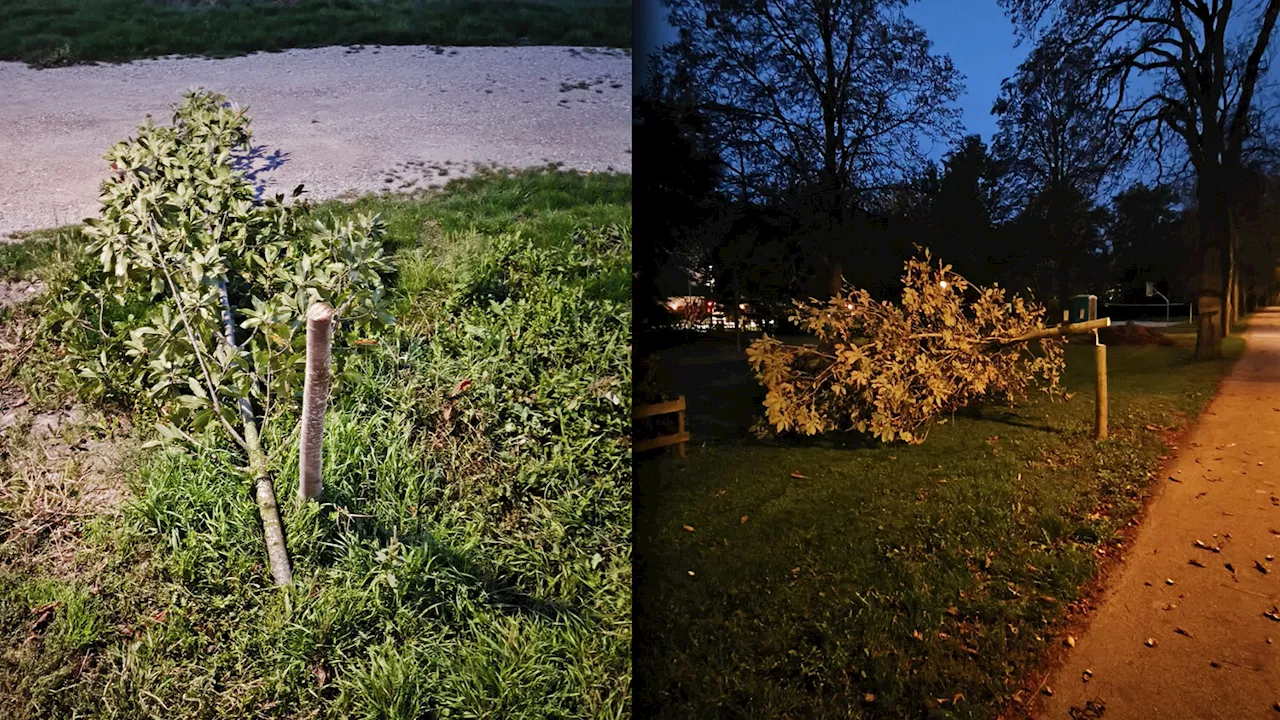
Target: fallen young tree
{"x":226,"y":280}
{"x":890,"y":369}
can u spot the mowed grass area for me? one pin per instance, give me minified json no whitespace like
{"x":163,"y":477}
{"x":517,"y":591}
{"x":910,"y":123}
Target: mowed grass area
{"x":49,"y":33}
{"x":835,"y":578}
{"x":472,"y":553}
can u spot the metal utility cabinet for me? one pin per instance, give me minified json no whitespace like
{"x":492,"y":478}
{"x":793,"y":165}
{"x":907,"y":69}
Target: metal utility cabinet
{"x":1083,"y":308}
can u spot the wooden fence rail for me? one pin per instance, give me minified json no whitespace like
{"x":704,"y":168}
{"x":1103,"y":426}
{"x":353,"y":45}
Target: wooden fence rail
{"x":681,"y":435}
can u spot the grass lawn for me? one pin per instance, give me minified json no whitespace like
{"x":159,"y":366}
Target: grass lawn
{"x":832,"y":578}
{"x":67,"y":32}
{"x":472,"y":555}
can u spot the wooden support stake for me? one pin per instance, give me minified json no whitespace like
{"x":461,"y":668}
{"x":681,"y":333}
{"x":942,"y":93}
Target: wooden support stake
{"x":680,"y":430}
{"x":315,"y":398}
{"x":1100,"y":363}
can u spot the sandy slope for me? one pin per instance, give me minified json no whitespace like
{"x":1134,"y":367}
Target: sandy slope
{"x":345,"y":120}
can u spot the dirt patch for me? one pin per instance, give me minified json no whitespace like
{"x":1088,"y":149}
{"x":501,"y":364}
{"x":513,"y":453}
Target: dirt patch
{"x":58,"y":470}
{"x":1133,"y":334}
{"x":19,"y":291}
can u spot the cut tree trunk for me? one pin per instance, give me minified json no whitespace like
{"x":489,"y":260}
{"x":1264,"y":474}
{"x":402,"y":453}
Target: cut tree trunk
{"x":315,"y":398}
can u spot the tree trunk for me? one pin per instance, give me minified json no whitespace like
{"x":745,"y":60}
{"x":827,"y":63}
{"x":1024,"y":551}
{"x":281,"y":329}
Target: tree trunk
{"x":272,"y":530}
{"x":737,"y":322}
{"x":1212,"y":220}
{"x":1231,"y":310}
{"x":1064,"y":286}
{"x":835,"y":283}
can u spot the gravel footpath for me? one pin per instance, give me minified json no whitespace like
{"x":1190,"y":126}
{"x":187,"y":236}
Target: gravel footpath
{"x":339,"y":120}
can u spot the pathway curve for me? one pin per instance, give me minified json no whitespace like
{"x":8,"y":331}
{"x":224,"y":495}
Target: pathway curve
{"x":337,"y":119}
{"x":1227,"y":665}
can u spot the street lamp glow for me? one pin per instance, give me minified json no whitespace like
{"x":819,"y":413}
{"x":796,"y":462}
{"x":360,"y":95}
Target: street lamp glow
{"x":943,"y":284}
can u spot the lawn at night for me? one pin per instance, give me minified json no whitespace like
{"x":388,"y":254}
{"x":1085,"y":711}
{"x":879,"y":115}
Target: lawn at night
{"x":924,"y":575}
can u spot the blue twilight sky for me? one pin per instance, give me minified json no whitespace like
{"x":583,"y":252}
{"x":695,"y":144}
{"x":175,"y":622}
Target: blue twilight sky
{"x":975,"y":33}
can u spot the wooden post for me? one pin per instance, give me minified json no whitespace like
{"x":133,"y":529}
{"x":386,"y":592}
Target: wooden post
{"x":680,"y":429}
{"x":315,"y":398}
{"x":1100,"y":363}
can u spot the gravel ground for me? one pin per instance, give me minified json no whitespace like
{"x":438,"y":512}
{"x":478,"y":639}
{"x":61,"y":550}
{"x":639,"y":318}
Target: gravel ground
{"x":340,"y":120}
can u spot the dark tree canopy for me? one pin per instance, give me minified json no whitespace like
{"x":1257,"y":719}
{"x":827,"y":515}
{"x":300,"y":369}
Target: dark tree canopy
{"x":1060,"y":145}
{"x":827,"y":95}
{"x":1178,"y":74}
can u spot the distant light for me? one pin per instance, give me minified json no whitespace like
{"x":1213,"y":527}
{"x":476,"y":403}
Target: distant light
{"x":849,"y":305}
{"x":943,"y":284}
{"x":743,"y":306}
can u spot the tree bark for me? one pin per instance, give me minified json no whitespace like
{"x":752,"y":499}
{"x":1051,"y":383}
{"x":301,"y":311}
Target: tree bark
{"x":272,"y":530}
{"x":315,"y":398}
{"x":1212,"y":220}
{"x":1232,"y":309}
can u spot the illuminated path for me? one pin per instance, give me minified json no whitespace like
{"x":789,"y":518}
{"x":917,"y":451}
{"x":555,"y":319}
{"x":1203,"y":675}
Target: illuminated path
{"x":389,"y":118}
{"x":1229,"y":468}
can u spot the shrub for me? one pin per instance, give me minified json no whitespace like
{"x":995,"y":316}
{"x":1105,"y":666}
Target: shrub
{"x":188,"y":257}
{"x":890,"y":369}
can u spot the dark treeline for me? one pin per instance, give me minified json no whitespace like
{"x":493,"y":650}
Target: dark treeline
{"x":787,"y":152}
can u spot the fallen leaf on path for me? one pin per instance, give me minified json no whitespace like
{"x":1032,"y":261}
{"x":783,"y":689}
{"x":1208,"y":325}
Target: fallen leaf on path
{"x":688,"y":528}
{"x":1260,"y":567}
{"x":1151,"y":642}
{"x":1272,"y":614}
{"x":1180,"y":631}
{"x":1086,"y":675}
{"x":743,"y":521}
{"x":1092,"y":710}
{"x":1069,"y":642}
{"x":1195,"y":562}
{"x":869,"y":698}
{"x":1047,"y":690}
{"x":1174,"y":479}
{"x":1168,"y":581}
{"x":1210,"y":548}
{"x":798,"y":476}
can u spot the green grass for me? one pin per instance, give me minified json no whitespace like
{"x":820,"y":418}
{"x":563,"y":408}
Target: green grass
{"x":913,"y":574}
{"x":472,"y":556}
{"x":66,"y":32}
